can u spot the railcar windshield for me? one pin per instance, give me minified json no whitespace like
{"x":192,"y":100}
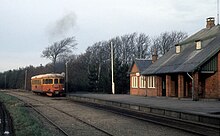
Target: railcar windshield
{"x":61,"y":81}
{"x":56,"y":81}
{"x":47,"y":81}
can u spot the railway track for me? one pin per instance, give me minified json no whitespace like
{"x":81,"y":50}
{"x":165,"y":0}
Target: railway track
{"x":63,"y":131}
{"x":49,"y":120}
{"x":194,"y":128}
{"x":188,"y":126}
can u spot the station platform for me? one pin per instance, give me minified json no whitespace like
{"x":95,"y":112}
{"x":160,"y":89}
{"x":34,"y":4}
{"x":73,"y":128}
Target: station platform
{"x":206,"y":111}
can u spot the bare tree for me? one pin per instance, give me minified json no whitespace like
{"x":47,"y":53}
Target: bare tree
{"x":167,"y":40}
{"x":128,"y":48}
{"x":142,"y":44}
{"x":59,"y":49}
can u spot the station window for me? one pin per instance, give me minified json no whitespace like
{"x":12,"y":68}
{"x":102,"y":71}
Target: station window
{"x":151,"y":82}
{"x":178,"y":48}
{"x":142,"y":82}
{"x":198,"y":45}
{"x":134,"y":81}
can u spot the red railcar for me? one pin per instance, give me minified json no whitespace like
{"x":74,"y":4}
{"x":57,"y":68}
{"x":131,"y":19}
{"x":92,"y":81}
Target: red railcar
{"x":50,"y":84}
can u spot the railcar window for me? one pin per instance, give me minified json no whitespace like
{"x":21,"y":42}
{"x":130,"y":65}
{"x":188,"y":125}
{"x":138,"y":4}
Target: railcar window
{"x":61,"y":81}
{"x":48,"y":81}
{"x":55,"y":81}
{"x":36,"y":82}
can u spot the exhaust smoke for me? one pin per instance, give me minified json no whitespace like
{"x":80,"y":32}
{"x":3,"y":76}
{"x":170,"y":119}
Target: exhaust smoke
{"x":63,"y":27}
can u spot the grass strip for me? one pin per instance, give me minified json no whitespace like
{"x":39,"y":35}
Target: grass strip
{"x":25,"y":123}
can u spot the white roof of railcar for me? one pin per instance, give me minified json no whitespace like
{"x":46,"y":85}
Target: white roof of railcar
{"x":48,"y":76}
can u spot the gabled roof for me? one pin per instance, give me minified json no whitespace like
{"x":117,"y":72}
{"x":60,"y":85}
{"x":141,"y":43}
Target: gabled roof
{"x":141,"y":64}
{"x":189,"y":59}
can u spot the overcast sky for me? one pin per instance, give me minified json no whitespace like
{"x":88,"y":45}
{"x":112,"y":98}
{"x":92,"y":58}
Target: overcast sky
{"x":28,"y":26}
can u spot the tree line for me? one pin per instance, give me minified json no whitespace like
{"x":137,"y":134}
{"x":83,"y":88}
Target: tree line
{"x":91,"y":71}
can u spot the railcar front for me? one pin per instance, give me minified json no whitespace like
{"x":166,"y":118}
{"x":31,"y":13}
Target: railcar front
{"x":50,"y":84}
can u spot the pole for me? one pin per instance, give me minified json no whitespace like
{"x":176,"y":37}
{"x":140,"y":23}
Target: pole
{"x":193,"y":98}
{"x":25,"y":80}
{"x":5,"y":81}
{"x":67,"y":80}
{"x":217,"y":12}
{"x":112,"y":64}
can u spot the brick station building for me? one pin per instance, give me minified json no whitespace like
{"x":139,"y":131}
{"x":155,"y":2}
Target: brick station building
{"x":190,"y":68}
{"x":137,"y":81}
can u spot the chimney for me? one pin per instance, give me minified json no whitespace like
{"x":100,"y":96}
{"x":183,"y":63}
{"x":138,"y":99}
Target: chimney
{"x":154,"y":56}
{"x":210,"y":22}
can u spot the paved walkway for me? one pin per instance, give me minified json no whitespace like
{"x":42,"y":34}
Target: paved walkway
{"x":206,"y":106}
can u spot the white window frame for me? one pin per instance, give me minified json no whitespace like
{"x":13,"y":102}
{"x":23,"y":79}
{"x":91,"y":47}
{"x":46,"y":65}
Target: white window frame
{"x":134,"y":82}
{"x":198,"y":45}
{"x":142,"y":81}
{"x":178,"y":49}
{"x":151,"y":81}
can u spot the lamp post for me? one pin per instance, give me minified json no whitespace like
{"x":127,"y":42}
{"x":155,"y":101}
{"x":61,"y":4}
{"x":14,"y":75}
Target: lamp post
{"x":5,"y":81}
{"x":67,"y":80}
{"x":112,"y":65}
{"x":217,"y":12}
{"x":25,"y":80}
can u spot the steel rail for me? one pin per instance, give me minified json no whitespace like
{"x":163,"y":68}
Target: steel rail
{"x":44,"y":116}
{"x":75,"y":117}
{"x":188,"y":126}
{"x":54,"y":124}
{"x":102,"y":130}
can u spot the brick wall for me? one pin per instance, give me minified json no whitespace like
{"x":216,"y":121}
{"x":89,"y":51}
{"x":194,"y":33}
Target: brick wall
{"x":152,"y":92}
{"x":142,"y":92}
{"x":212,"y":83}
{"x":136,"y":91}
{"x":134,"y":70}
{"x":218,"y":75}
{"x":159,"y":85}
{"x":211,"y":86}
{"x":196,"y":85}
{"x":180,"y":86}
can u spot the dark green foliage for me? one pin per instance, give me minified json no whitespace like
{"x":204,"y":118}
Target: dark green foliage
{"x":78,"y":74}
{"x":15,"y":79}
{"x":121,"y":78}
{"x":12,"y":79}
{"x":93,"y":79}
